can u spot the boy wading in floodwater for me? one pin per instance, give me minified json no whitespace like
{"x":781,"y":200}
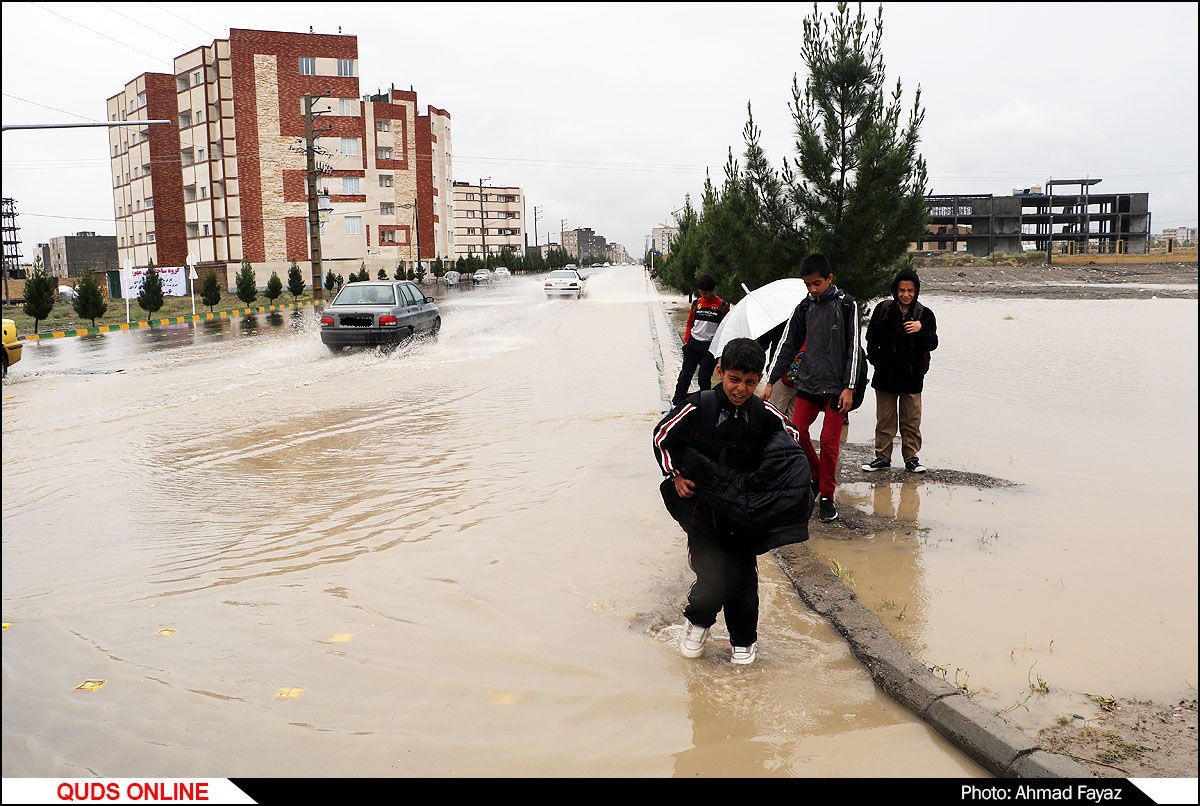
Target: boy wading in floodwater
{"x":738,"y":483}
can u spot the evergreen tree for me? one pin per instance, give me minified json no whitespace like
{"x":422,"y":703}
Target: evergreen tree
{"x":246,"y":283}
{"x":382,"y":274}
{"x":89,"y":301}
{"x":399,"y":275}
{"x":274,"y":288}
{"x":855,"y":190}
{"x":330,"y":280}
{"x":150,"y":298}
{"x":40,"y":291}
{"x":210,"y":292}
{"x":363,"y":274}
{"x":296,"y":284}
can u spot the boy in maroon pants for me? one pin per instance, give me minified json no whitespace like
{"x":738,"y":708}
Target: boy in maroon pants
{"x":826,"y":323}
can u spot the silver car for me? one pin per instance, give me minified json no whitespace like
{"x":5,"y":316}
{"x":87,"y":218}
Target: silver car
{"x":378,"y":313}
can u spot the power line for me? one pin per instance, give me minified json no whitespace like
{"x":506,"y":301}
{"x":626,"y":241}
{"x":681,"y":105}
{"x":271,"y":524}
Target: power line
{"x":106,"y":36}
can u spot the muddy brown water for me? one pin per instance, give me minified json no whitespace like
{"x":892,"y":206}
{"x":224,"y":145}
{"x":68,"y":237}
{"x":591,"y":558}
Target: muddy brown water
{"x":452,"y":560}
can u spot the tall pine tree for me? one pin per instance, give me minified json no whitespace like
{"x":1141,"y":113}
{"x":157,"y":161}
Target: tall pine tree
{"x":40,"y":291}
{"x":210,"y":292}
{"x":855,"y":190}
{"x":150,"y":298}
{"x":246,"y":283}
{"x":89,"y":301}
{"x":296,"y":282}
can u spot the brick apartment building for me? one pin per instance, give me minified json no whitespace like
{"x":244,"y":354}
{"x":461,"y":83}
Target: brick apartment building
{"x":488,"y":219}
{"x":227,"y":180}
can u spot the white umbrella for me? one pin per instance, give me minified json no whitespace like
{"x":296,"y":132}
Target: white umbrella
{"x":759,"y":311}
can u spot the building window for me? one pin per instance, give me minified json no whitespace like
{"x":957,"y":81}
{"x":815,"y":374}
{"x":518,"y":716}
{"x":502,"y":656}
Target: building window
{"x":141,"y":99}
{"x":385,"y":180}
{"x":197,"y":78}
{"x":383,"y":125}
{"x":349,"y":146}
{"x":149,"y":202}
{"x":199,"y":115}
{"x":350,"y":186}
{"x":471,"y":231}
{"x":470,"y":213}
{"x":348,"y":106}
{"x":387,"y":236}
{"x":150,"y":237}
{"x":308,"y":66}
{"x":204,"y":229}
{"x":383,"y":153}
{"x":203,"y":192}
{"x":470,"y":197}
{"x":387,"y":208}
{"x":185,"y":119}
{"x":354,"y":225}
{"x":345,"y":67}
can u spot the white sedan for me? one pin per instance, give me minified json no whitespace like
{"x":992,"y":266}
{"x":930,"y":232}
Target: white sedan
{"x":564,"y":282}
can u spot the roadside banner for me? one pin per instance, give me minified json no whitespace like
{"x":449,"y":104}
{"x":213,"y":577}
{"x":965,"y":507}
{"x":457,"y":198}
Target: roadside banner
{"x":174,"y":280}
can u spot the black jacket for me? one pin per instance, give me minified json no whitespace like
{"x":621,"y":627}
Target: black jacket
{"x":901,"y":360}
{"x":751,"y":473}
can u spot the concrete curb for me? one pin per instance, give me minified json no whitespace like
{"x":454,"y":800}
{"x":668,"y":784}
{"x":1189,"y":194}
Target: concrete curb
{"x":177,"y":320}
{"x":997,"y":746}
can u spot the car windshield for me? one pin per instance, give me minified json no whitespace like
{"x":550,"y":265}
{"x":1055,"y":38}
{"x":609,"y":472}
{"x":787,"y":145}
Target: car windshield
{"x":562,"y":274}
{"x":355,"y":294}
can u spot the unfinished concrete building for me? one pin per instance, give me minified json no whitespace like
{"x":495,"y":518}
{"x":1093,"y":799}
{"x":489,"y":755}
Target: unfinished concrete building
{"x":1078,"y":221}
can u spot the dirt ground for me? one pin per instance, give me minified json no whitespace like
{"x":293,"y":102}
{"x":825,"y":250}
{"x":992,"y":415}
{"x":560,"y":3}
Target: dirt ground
{"x":1114,"y":737}
{"x":1082,"y":281}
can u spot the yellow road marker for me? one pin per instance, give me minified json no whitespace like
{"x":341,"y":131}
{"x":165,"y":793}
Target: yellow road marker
{"x":90,"y":685}
{"x":288,"y":693}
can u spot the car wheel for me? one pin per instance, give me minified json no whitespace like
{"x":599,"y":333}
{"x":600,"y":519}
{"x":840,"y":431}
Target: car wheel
{"x":333,"y":349}
{"x":436,"y":329}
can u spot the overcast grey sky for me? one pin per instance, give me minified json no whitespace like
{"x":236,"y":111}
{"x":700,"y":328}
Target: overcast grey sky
{"x":609,"y":114}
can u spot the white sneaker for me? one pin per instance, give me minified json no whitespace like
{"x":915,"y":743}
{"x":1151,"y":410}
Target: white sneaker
{"x":743,"y":655}
{"x":692,"y":645}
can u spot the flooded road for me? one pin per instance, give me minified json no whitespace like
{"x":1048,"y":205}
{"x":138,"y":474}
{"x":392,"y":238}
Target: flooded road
{"x":447,"y":561}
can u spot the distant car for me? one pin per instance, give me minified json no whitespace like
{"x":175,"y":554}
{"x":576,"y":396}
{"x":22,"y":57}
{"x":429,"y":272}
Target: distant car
{"x":564,"y":282}
{"x":12,"y":346}
{"x":378,"y":313}
{"x":481,"y":276}
{"x":451,"y":277}
{"x":502,"y":273}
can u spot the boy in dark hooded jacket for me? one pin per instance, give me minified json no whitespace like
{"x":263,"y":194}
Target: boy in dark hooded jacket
{"x":900,"y":336}
{"x":738,"y":483}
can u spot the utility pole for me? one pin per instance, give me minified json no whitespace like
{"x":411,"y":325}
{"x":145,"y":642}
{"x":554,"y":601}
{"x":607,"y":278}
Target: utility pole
{"x":314,"y":213}
{"x":417,"y":224}
{"x":537,"y":212}
{"x":562,"y":234}
{"x":483,"y":219}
